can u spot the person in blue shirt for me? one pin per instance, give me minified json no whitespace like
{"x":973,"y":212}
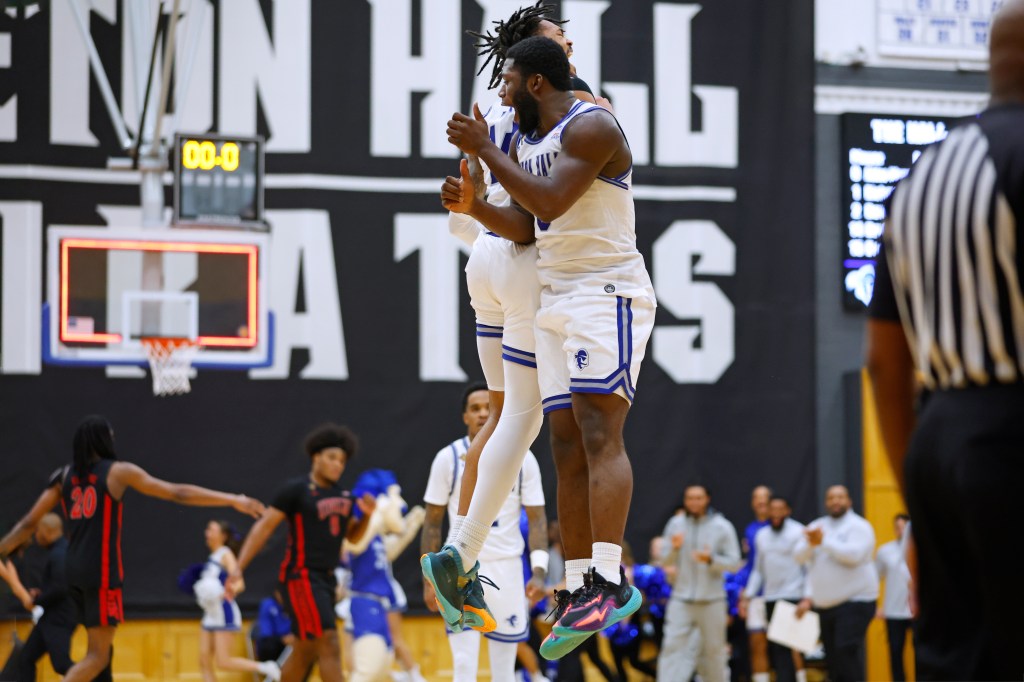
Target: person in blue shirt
{"x":273,"y":628}
{"x":755,"y":633}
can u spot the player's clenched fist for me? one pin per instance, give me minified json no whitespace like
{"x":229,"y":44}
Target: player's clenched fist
{"x":468,"y":133}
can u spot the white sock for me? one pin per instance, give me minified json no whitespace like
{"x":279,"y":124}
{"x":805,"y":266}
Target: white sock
{"x":453,"y":532}
{"x":502,"y":656}
{"x":470,"y":541}
{"x":574,"y":570}
{"x":606,"y":559}
{"x":761,"y":677}
{"x":801,"y":675}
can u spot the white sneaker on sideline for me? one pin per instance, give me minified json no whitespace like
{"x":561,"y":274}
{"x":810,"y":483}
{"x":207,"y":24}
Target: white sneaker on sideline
{"x":271,"y":671}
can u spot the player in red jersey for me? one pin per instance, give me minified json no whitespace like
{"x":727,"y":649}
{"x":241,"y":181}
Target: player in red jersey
{"x":317,"y":511}
{"x":90,"y":491}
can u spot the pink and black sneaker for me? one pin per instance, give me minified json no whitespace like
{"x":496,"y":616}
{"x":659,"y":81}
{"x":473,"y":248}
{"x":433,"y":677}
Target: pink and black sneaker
{"x":599,"y":604}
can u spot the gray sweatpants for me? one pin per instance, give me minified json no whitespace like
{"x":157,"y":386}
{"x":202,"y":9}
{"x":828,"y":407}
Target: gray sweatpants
{"x":694,"y":639}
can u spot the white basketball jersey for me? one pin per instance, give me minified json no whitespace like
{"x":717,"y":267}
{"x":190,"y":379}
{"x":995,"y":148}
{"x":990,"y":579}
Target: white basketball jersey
{"x":501,"y":127}
{"x":445,"y":484}
{"x":591,"y":249}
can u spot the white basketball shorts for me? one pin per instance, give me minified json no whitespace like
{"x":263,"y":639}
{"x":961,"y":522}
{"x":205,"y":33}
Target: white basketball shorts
{"x":503,"y":287}
{"x":591,"y":344}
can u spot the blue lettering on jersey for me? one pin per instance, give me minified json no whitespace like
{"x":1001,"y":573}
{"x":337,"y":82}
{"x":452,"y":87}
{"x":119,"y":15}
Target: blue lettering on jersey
{"x":540,"y":164}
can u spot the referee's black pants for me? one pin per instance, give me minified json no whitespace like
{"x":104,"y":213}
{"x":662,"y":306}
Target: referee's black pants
{"x":965,"y":476}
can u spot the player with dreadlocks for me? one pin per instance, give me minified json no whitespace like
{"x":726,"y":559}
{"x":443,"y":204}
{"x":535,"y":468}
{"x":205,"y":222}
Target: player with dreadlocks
{"x":505,"y":294}
{"x":569,"y":177}
{"x":525,"y":22}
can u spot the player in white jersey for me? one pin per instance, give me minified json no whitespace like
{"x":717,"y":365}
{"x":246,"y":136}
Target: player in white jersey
{"x":569,"y":177}
{"x":501,"y":558}
{"x":505,"y":294}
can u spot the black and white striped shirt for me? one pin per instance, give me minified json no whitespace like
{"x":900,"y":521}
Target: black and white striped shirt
{"x":950,"y":268}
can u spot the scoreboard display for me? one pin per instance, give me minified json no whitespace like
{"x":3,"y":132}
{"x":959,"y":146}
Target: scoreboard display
{"x":218,"y":181}
{"x":942,"y":29}
{"x":877,"y":152}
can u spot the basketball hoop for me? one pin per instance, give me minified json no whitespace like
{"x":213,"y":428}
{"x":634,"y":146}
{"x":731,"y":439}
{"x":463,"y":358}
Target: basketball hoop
{"x":170,"y":362}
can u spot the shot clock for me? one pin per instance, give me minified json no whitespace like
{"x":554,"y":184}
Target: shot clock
{"x":218,"y":181}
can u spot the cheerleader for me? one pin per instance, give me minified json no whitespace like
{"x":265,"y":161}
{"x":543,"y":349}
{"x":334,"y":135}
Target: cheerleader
{"x":221,"y":617}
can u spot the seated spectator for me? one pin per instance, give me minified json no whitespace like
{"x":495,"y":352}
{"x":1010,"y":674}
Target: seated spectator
{"x":273,"y":628}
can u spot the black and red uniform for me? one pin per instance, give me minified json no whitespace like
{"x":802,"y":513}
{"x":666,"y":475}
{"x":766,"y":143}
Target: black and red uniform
{"x":317,"y":521}
{"x":95,"y":571}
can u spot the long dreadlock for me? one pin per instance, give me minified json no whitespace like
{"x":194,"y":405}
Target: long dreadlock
{"x":523,"y":23}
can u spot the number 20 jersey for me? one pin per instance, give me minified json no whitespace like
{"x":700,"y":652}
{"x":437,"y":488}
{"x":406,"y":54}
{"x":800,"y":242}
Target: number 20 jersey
{"x":93,"y":525}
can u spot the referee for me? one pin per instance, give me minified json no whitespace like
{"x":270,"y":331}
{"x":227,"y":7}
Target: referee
{"x":949,"y":308}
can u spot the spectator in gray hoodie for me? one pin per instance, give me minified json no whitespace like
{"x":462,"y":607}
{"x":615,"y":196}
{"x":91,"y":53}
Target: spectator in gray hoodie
{"x":702,"y":546}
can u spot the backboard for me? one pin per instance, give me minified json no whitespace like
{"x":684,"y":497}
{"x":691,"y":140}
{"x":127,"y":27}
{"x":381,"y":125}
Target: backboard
{"x":108,"y":288}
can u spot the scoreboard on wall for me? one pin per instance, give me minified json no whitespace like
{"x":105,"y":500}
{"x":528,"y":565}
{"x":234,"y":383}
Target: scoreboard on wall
{"x":941,"y":29}
{"x":877,"y":152}
{"x":218,"y":181}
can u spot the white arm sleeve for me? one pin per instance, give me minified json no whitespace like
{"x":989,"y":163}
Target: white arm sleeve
{"x":464,"y":228}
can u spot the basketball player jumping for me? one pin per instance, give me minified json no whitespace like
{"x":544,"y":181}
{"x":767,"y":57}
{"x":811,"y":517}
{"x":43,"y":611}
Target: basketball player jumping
{"x":569,"y":177}
{"x":318,"y":513}
{"x":505,"y":293}
{"x":90,"y":491}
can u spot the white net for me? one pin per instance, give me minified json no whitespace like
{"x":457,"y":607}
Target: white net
{"x":170,"y":363}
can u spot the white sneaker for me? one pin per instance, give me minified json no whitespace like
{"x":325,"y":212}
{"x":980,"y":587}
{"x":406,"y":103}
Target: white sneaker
{"x":270,"y":670}
{"x":415,"y":676}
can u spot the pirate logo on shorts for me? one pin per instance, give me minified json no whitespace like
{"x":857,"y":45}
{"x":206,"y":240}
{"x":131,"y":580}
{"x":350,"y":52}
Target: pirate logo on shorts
{"x":582,"y":358}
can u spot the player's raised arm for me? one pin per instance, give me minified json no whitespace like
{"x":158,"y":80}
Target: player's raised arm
{"x":125,"y":475}
{"x":24,"y":528}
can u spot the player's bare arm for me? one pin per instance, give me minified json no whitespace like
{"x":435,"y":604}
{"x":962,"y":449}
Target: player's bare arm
{"x":26,"y":526}
{"x":251,"y":546}
{"x":537,"y":524}
{"x":430,"y":541}
{"x":9,"y":574}
{"x":356,"y":529}
{"x":591,"y":145}
{"x":124,"y":475}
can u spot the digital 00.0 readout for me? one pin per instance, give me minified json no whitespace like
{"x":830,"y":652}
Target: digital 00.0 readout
{"x":218,"y":180}
{"x":878,"y":151}
{"x":204,"y":155}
